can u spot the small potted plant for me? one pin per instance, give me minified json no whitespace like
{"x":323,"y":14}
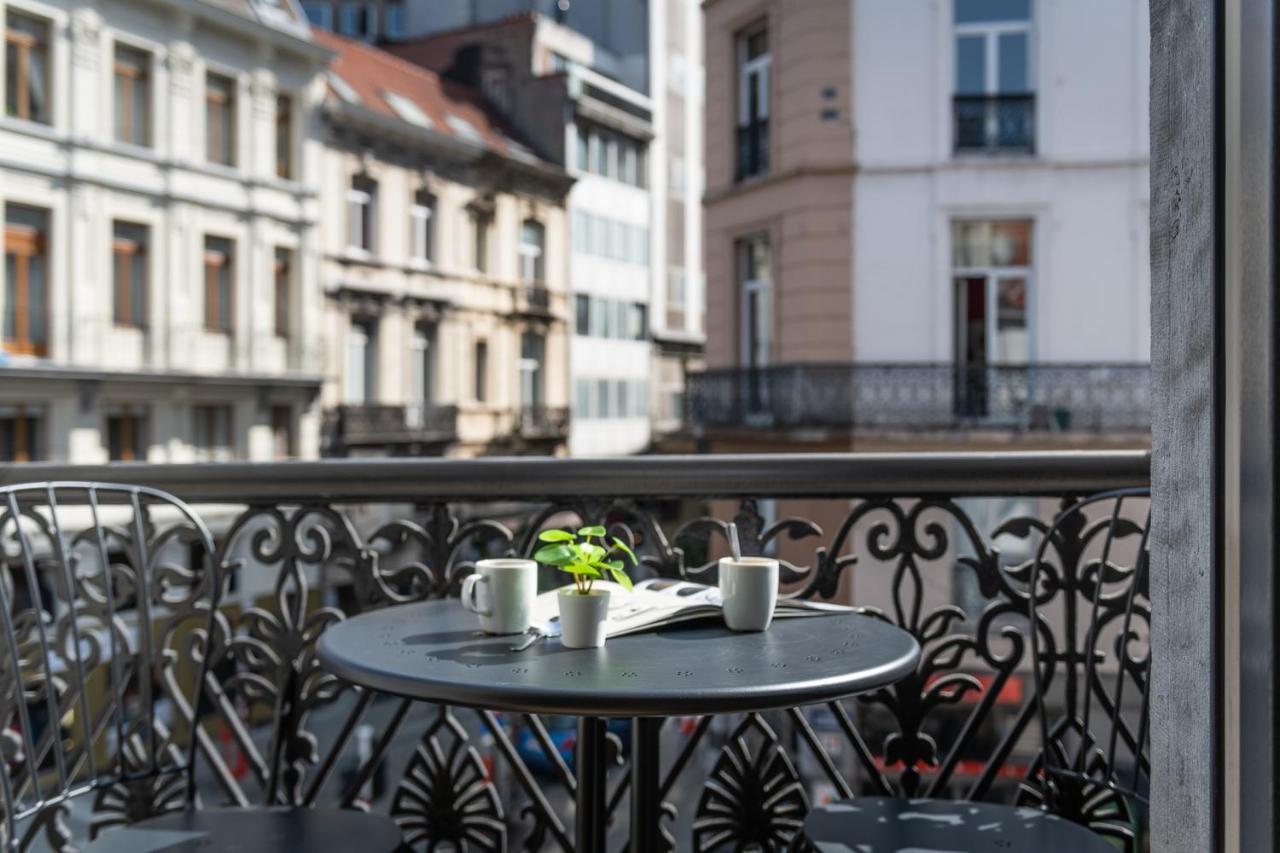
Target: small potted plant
{"x":583,"y":608}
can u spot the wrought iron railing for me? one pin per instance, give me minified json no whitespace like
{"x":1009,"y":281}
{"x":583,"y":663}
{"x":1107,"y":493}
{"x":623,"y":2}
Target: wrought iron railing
{"x":871,"y":397}
{"x":539,"y":421}
{"x":753,"y":149}
{"x":936,"y":543}
{"x":377,"y":425}
{"x":995,"y":123}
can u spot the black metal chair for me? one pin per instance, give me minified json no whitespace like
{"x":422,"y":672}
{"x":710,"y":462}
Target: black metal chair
{"x":109,"y":616}
{"x":1085,"y":790}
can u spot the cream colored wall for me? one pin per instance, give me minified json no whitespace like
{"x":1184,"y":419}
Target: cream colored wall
{"x":75,"y":170}
{"x":480,"y":306}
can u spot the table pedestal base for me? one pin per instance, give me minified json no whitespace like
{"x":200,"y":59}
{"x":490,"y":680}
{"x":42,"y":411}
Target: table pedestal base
{"x":591,"y":820}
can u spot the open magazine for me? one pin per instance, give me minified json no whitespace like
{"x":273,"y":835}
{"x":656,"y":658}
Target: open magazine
{"x":658,"y":602}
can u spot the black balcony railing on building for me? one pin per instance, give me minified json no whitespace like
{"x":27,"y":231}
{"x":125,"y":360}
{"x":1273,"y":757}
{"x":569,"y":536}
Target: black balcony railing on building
{"x":936,"y":543}
{"x":995,"y":123}
{"x":893,"y":397}
{"x":539,"y":421}
{"x":753,"y":149}
{"x":535,"y":298}
{"x":368,"y":425}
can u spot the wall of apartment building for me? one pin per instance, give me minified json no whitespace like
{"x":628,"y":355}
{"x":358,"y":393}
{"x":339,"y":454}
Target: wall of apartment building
{"x":84,"y":180}
{"x":804,"y":203}
{"x":465,"y":305}
{"x":1085,"y":189}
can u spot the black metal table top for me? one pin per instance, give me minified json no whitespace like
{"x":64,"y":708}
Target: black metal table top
{"x":432,"y":651}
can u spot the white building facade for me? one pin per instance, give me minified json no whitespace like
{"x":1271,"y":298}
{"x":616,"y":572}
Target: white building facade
{"x":157,"y":182}
{"x":1000,"y":204}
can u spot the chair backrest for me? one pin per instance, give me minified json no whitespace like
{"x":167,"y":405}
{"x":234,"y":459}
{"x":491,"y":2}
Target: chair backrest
{"x":1090,"y":610}
{"x":108,"y":597}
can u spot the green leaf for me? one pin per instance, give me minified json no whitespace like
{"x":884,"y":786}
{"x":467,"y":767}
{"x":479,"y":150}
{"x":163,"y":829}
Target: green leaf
{"x":621,"y":577}
{"x":597,"y":530}
{"x":614,"y":565}
{"x":594,"y":553}
{"x":555,"y":536}
{"x":554,"y":555}
{"x":580,"y":569}
{"x":624,"y":548}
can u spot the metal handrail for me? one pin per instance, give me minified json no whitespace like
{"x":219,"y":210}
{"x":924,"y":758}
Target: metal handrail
{"x":536,"y":478}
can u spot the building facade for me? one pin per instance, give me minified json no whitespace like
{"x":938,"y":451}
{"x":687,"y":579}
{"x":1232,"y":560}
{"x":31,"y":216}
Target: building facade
{"x":445,"y":270}
{"x":612,"y":92}
{"x":158,"y":186}
{"x":926,"y":224}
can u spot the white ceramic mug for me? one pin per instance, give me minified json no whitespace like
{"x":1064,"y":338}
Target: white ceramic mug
{"x":501,"y":593}
{"x":749,"y":588}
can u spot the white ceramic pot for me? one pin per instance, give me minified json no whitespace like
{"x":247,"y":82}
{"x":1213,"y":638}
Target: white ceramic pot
{"x":582,"y":618}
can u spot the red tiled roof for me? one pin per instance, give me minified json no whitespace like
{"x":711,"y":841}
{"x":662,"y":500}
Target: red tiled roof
{"x":372,"y":74}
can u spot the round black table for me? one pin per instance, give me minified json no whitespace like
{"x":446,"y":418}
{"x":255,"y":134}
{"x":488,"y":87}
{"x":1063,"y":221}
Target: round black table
{"x":433,"y":652}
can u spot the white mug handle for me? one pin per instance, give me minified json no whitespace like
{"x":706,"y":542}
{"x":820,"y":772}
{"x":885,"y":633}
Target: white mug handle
{"x":469,"y":598}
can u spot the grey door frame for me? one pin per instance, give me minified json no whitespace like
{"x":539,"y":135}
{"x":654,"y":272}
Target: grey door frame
{"x":1214,"y":466}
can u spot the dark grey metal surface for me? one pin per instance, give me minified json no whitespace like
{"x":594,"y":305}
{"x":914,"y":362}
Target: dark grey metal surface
{"x":1187,"y":349}
{"x":533,"y":478}
{"x":255,"y":831}
{"x":431,"y":651}
{"x":891,"y":824}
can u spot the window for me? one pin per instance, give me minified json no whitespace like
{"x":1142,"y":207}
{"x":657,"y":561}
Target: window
{"x":129,"y":251}
{"x":133,"y":95}
{"x":994,"y":101}
{"x":356,"y":20}
{"x":318,"y":13}
{"x":609,"y":154}
{"x":213,"y":441}
{"x":422,"y":363}
{"x":756,"y":303}
{"x":394,"y":25}
{"x":603,"y":410}
{"x":21,"y":434}
{"x":991,"y":273}
{"x":753,"y":102}
{"x":422,"y":226}
{"x":482,"y":371}
{"x":582,"y":311}
{"x":220,"y":119}
{"x":282,"y":282}
{"x":26,"y":280}
{"x":219,"y":262}
{"x":362,"y":351}
{"x":532,"y":348}
{"x":27,"y":86}
{"x":361,"y":220}
{"x":480,"y":221}
{"x":282,"y":431}
{"x":496,"y":86}
{"x":284,"y":137}
{"x":582,"y":398}
{"x":532,"y":243}
{"x":127,"y":433}
{"x":639,"y":321}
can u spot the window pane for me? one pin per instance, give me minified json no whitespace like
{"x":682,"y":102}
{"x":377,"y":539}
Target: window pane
{"x":971,"y":63}
{"x":1013,"y":74}
{"x":981,"y":11}
{"x":27,"y":67}
{"x":582,"y":311}
{"x":1012,"y":346}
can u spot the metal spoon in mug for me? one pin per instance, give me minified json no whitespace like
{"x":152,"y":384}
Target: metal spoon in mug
{"x":735,"y":547}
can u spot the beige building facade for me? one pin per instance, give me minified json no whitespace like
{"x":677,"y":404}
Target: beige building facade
{"x":445,"y":270}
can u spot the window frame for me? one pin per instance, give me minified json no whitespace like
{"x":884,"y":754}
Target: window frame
{"x":533,"y":254}
{"x":221,"y":101}
{"x":423,"y":215}
{"x":286,"y":154}
{"x":134,"y":426}
{"x":135,"y":76}
{"x":480,"y":357}
{"x":25,"y":44}
{"x":29,"y":425}
{"x":130,"y":255}
{"x":282,"y":269}
{"x":213,"y":436}
{"x":753,"y":73}
{"x":219,"y":284}
{"x":27,"y":243}
{"x":362,"y":195}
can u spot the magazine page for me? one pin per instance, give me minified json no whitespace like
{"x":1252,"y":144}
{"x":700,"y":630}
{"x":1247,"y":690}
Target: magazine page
{"x":657,"y":602}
